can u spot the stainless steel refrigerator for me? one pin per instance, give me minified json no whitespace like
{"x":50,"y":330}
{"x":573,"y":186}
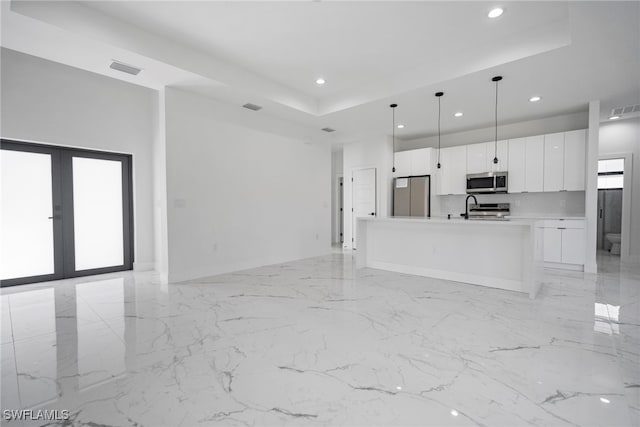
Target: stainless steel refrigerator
{"x":412,"y":196}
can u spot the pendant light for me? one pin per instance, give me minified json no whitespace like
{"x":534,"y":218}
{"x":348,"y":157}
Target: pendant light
{"x":393,"y":133}
{"x":496,"y":79}
{"x":439,"y":95}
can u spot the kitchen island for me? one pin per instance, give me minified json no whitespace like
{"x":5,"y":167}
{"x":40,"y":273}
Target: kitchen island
{"x":498,"y":254}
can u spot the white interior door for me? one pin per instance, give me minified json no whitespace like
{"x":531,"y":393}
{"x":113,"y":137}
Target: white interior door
{"x":364,"y":196}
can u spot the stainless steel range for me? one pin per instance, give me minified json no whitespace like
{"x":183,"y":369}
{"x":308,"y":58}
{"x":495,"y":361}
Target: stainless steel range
{"x":490,"y":211}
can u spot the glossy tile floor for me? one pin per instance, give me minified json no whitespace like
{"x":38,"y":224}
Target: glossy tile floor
{"x":314,"y":342}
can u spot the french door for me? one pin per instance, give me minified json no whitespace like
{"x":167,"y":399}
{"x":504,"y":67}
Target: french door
{"x":64,"y":213}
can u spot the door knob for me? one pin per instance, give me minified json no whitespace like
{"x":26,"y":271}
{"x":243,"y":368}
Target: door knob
{"x":372,"y":214}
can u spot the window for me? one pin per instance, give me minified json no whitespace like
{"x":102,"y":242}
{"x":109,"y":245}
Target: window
{"x":610,"y":173}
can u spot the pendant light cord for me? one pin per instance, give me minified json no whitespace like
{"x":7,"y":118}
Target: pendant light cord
{"x":496,"y":79}
{"x":438,"y":131}
{"x":439,"y":95}
{"x":393,"y":134}
{"x":495,"y":154}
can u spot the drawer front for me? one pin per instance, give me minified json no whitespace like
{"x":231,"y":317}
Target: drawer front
{"x":564,"y":223}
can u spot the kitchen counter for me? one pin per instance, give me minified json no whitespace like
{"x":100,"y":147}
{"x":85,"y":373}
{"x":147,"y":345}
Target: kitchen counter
{"x":543,"y":217}
{"x":511,"y":221}
{"x":498,"y":254}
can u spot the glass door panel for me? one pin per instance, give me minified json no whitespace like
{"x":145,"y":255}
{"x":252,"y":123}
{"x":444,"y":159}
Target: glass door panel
{"x":97,"y":213}
{"x":26,"y":224}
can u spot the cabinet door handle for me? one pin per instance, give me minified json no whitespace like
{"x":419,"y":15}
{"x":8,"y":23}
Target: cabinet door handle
{"x":562,"y":228}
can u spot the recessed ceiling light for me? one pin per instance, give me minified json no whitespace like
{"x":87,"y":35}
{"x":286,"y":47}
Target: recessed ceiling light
{"x":614,"y":117}
{"x":535,"y":99}
{"x":400,"y":126}
{"x":320,"y":81}
{"x":604,"y":400}
{"x":458,"y":114}
{"x":454,"y":412}
{"x":494,"y":13}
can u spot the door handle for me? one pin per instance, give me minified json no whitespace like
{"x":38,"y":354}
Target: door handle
{"x":372,"y":214}
{"x":600,"y":213}
{"x":54,"y":217}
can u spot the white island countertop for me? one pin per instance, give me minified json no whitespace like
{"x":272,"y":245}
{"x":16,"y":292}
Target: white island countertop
{"x":504,"y":254}
{"x":457,"y":220}
{"x":544,"y":217}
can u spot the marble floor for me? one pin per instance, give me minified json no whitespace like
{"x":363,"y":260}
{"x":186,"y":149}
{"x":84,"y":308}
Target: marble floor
{"x":315,"y":342}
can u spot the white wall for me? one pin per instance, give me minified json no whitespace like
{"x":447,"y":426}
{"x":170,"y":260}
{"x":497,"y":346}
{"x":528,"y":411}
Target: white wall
{"x":240,"y":197}
{"x":591,"y":188}
{"x":561,"y":123}
{"x":618,"y":137}
{"x":376,"y":152}
{"x":160,"y":226}
{"x":50,"y":103}
{"x":336,"y":172}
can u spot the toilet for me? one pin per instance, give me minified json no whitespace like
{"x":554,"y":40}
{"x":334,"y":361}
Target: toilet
{"x":615,"y":240}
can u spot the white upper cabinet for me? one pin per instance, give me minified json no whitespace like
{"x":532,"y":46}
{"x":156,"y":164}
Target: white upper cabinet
{"x":477,"y":158}
{"x":480,"y":157}
{"x":421,"y":161}
{"x":503,"y":156}
{"x":402,"y":163}
{"x":554,"y":162}
{"x":517,"y":164}
{"x":574,"y":158}
{"x":534,"y":163}
{"x":413,"y":162}
{"x":525,"y":163}
{"x":452,"y":177}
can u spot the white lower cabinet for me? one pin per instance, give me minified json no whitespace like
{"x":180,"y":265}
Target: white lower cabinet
{"x":564,"y":242}
{"x":552,"y":245}
{"x":573,"y":241}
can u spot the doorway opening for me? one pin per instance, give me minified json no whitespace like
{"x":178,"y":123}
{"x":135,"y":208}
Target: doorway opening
{"x":66,"y":213}
{"x":610,"y":205}
{"x":364,"y":198}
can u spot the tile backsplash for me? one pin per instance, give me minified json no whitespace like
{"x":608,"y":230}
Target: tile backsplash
{"x":565,"y":203}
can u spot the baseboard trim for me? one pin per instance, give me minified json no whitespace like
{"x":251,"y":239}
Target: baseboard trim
{"x":560,"y":266}
{"x":143,"y":266}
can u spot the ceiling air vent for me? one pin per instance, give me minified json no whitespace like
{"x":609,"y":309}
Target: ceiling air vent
{"x":625,"y":110}
{"x":129,"y":69}
{"x":252,"y":107}
{"x":328,"y":130}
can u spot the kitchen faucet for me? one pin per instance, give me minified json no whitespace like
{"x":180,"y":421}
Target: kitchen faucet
{"x":466,"y":206}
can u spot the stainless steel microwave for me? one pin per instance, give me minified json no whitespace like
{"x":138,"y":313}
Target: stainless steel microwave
{"x":488,"y":182}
